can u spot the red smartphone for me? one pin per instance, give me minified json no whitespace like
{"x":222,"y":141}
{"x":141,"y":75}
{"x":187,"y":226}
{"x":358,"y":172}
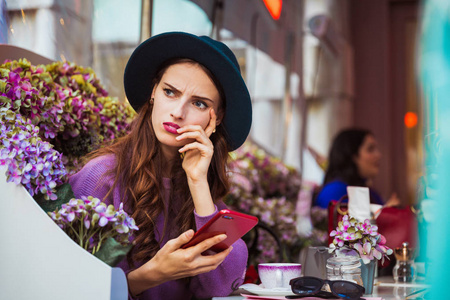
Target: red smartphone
{"x":234,"y":224}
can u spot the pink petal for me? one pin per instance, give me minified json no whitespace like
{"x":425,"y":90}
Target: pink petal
{"x":377,"y":254}
{"x":367,"y":247}
{"x":87,"y":223}
{"x":382,"y":240}
{"x":71,"y":216}
{"x":102,"y":222}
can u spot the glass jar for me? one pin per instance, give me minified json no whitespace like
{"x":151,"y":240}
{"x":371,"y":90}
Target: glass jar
{"x":405,"y":269}
{"x":344,"y":268}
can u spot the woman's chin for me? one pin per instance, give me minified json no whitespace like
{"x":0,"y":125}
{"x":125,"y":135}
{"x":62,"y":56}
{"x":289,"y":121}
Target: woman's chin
{"x":374,"y":175}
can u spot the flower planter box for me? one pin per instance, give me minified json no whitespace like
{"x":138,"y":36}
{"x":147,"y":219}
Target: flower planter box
{"x":39,"y":261}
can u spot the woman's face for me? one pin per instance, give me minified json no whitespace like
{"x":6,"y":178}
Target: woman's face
{"x":184,"y":96}
{"x":368,"y":158}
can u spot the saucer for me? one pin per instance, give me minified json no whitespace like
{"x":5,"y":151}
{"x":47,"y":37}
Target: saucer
{"x":261,"y":291}
{"x":256,"y":297}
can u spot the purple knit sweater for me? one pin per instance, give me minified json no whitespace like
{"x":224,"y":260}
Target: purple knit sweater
{"x":220,"y":282}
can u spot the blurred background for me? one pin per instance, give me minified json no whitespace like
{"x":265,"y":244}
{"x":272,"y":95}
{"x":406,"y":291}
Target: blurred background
{"x":313,"y":67}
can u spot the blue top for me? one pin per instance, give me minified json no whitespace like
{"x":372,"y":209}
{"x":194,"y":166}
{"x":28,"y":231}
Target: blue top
{"x":335,"y":189}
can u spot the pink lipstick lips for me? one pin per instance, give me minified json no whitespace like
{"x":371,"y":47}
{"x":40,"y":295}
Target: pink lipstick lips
{"x":171,"y":127}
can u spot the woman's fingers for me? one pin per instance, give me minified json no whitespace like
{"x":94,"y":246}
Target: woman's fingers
{"x":208,"y":243}
{"x":195,"y":135}
{"x":182,"y":239}
{"x":208,"y":130}
{"x":200,"y":136}
{"x":195,"y":146}
{"x":187,"y":128}
{"x":212,"y":123}
{"x":185,"y":237}
{"x":210,"y":262}
{"x":175,"y":263}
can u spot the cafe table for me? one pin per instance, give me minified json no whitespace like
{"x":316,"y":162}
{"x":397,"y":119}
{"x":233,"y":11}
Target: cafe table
{"x":384,"y":287}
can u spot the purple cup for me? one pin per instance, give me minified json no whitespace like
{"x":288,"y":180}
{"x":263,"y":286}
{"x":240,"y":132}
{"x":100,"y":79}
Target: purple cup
{"x":278,"y":275}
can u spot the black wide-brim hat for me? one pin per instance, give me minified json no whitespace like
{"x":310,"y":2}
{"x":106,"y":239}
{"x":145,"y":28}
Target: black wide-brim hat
{"x":148,"y":57}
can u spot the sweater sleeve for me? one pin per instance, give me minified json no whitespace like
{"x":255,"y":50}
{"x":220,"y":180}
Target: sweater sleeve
{"x":92,"y":180}
{"x":331,"y":191}
{"x":228,"y":276}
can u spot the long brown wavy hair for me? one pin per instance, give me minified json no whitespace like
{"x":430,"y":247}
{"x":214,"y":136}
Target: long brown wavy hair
{"x":139,"y":172}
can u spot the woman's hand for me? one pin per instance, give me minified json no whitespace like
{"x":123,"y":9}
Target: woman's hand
{"x":171,"y":262}
{"x":196,"y":161}
{"x":393,"y":201}
{"x":198,"y":154}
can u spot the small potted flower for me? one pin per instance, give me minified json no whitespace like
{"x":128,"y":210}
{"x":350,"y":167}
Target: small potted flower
{"x":361,"y":239}
{"x":101,"y":230}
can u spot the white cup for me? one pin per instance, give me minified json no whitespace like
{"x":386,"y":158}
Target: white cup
{"x":278,"y":275}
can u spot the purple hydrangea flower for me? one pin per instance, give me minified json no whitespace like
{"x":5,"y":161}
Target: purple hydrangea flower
{"x":89,"y":222}
{"x":30,"y":161}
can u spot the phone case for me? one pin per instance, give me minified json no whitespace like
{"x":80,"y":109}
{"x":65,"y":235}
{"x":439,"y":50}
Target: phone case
{"x":234,"y":224}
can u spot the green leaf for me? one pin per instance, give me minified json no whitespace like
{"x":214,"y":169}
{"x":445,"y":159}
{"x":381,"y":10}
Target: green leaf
{"x":112,"y":252}
{"x":2,"y":86}
{"x":16,"y":104}
{"x":63,"y":192}
{"x":4,"y":72}
{"x":64,"y":81}
{"x":46,"y":77}
{"x":4,"y":99}
{"x":90,"y":88}
{"x":79,"y":79}
{"x":24,"y":63}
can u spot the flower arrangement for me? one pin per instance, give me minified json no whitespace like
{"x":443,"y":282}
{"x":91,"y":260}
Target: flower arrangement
{"x":52,"y":115}
{"x":62,"y":112}
{"x":263,"y":186}
{"x":89,"y":222}
{"x":360,"y":239}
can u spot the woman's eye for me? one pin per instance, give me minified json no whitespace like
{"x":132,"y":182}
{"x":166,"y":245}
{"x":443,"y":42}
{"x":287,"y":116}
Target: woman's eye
{"x":200,"y":104}
{"x":169,"y":92}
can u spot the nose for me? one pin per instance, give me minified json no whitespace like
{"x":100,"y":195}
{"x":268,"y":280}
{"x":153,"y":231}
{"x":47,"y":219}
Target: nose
{"x":178,"y":112}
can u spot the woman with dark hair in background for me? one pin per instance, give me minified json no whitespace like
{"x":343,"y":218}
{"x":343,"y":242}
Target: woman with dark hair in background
{"x":354,"y":160}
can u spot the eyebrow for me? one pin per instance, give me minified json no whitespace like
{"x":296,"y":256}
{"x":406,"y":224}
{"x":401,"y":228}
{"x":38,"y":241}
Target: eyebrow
{"x":195,"y":96}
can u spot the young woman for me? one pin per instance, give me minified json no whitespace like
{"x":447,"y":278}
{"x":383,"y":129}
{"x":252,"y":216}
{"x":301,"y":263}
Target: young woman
{"x":354,"y":159}
{"x":170,"y":171}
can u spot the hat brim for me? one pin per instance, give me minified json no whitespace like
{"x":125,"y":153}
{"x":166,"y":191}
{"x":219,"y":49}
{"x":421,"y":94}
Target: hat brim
{"x":146,"y":60}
